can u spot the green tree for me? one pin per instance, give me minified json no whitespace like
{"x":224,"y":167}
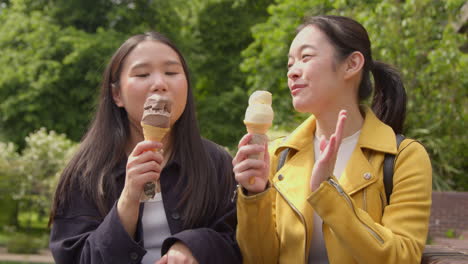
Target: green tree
{"x":415,"y":36}
{"x":220,"y":32}
{"x":51,"y":74}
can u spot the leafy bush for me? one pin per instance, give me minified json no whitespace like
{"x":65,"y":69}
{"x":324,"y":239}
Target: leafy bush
{"x":23,"y":244}
{"x":450,"y":233}
{"x":30,"y":177}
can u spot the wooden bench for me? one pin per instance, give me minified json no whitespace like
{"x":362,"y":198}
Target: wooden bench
{"x":444,"y":255}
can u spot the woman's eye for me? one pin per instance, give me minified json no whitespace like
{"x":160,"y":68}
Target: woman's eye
{"x":306,"y":56}
{"x":171,"y":73}
{"x":142,"y":75}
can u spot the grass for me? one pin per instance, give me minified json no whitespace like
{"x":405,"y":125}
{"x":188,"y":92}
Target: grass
{"x":31,"y":235}
{"x":3,"y":239}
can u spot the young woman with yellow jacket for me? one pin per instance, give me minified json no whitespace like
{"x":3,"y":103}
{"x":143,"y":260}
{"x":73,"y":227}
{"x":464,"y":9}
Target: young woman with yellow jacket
{"x":327,"y":204}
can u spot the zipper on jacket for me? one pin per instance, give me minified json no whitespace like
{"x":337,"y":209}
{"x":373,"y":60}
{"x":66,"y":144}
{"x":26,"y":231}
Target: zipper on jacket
{"x":364,"y":200}
{"x":302,"y":220}
{"x":234,"y":195}
{"x":348,"y":200}
{"x":382,"y":202}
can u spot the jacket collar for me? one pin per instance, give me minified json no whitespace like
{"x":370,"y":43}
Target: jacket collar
{"x":375,"y":135}
{"x":300,"y":137}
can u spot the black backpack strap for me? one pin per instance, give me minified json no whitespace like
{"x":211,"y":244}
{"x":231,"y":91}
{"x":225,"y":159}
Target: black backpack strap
{"x":388,"y":169}
{"x":282,"y":158}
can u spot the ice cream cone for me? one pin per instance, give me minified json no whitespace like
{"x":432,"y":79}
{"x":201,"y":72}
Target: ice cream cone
{"x":257,"y":128}
{"x":259,"y":137}
{"x":258,"y":119}
{"x":154,"y":134}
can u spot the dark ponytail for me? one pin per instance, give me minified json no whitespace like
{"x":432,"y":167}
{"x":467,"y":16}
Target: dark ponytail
{"x":389,"y":101}
{"x":348,"y":36}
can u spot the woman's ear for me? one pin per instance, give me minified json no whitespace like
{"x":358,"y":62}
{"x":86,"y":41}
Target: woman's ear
{"x":354,"y":64}
{"x":116,"y":95}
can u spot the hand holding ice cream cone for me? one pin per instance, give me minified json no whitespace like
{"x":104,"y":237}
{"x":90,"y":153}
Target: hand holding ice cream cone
{"x":155,"y":124}
{"x":258,"y":119}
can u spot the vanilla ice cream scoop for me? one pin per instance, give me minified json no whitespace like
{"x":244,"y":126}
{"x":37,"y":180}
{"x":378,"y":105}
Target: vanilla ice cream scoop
{"x":259,"y":110}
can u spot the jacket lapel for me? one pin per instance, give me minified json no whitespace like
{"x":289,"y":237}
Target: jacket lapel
{"x":296,"y":172}
{"x":359,"y":173}
{"x":375,"y":137}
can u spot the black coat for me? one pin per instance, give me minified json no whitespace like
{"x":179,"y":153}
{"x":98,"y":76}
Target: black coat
{"x":80,"y":235}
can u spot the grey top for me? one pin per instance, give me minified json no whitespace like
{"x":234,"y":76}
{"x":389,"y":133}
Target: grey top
{"x":155,"y":229}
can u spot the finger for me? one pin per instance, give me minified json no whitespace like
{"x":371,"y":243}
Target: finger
{"x":145,"y":167}
{"x":175,"y":257}
{"x":163,"y":260}
{"x":340,"y":126}
{"x":249,"y":164}
{"x":258,"y":186}
{"x":244,"y":177}
{"x":323,"y":143}
{"x":244,"y":140}
{"x":145,"y":146}
{"x":330,"y":150}
{"x":266,"y":156}
{"x":146,"y":177}
{"x":246,"y":151}
{"x":145,"y":157}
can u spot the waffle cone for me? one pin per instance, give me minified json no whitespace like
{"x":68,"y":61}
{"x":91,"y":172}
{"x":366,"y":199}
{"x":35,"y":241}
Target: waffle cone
{"x":259,"y":137}
{"x":257,"y":128}
{"x":154,"y":133}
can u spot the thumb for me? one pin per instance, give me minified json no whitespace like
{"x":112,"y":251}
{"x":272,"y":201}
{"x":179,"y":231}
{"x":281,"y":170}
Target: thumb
{"x":323,"y":143}
{"x":163,"y":260}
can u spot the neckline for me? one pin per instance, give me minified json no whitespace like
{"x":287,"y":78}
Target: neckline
{"x":345,"y":140}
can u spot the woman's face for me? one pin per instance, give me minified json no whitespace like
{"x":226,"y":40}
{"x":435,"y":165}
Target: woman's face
{"x":151,"y":68}
{"x":314,"y":77}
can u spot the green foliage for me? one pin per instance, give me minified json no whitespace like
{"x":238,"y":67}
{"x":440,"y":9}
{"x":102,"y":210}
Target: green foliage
{"x":220,"y":32}
{"x":415,"y":36}
{"x":51,"y":74}
{"x":42,"y":160}
{"x":30,"y":177}
{"x":23,"y":244}
{"x":450,"y":233}
{"x":54,"y":52}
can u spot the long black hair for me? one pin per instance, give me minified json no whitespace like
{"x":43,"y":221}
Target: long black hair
{"x":92,"y":166}
{"x":348,"y":36}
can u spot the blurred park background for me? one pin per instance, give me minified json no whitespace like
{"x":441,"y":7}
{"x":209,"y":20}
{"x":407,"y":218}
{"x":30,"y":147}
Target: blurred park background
{"x":53,"y":52}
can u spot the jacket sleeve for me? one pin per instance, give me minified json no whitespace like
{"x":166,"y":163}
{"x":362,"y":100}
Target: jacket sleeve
{"x":402,"y":235}
{"x":256,"y":232}
{"x":214,"y":242}
{"x":79,"y":235}
{"x":256,"y":229}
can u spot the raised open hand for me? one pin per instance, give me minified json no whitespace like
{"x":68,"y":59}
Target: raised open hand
{"x":323,"y":168}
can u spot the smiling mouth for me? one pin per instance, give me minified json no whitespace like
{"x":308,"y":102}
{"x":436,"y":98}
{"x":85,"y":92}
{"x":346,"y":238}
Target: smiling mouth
{"x":296,"y":88}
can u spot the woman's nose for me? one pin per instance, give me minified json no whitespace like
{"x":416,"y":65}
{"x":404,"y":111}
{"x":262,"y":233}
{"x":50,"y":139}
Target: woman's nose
{"x":158,"y":84}
{"x":294,"y":72}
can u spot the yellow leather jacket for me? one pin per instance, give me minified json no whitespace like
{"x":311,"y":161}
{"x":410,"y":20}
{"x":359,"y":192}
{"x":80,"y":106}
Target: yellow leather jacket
{"x":276,"y":225}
